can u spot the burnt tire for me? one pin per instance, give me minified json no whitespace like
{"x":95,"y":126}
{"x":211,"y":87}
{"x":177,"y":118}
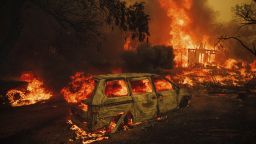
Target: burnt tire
{"x":128,"y":120}
{"x":184,"y":102}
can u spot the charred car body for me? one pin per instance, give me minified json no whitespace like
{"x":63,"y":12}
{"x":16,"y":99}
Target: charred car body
{"x":128,"y":97}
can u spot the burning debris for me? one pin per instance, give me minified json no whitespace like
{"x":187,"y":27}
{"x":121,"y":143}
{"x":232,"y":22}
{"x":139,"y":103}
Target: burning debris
{"x":33,"y":93}
{"x":85,"y":137}
{"x":233,"y":73}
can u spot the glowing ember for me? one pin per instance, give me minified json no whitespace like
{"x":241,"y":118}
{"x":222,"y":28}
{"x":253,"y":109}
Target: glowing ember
{"x":35,"y":92}
{"x":84,"y":137}
{"x":80,"y":88}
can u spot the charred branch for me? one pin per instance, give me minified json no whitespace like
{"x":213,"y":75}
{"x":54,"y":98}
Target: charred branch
{"x":86,"y":15}
{"x":247,"y":13}
{"x":251,"y":49}
{"x":129,"y":19}
{"x":81,"y":16}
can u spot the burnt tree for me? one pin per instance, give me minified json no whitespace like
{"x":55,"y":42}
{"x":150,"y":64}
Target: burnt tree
{"x":84,"y":18}
{"x":247,"y":16}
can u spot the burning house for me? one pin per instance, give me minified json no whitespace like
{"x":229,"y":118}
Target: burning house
{"x":197,"y":56}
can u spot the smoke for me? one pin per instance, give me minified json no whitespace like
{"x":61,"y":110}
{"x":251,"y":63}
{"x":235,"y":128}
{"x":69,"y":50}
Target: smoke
{"x":202,"y":21}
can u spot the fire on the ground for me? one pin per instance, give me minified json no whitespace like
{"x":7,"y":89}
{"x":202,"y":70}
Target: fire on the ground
{"x":33,"y":92}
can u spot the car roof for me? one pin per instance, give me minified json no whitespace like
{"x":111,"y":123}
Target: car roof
{"x":123,"y":75}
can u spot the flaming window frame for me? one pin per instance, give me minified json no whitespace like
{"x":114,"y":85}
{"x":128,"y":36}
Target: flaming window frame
{"x":141,"y":78}
{"x":116,"y":79}
{"x":176,"y":88}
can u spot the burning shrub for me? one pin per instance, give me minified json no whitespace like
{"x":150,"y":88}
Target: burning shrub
{"x":80,"y":88}
{"x":149,"y":58}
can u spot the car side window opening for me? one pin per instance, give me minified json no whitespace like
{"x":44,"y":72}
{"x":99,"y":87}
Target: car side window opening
{"x":162,"y":84}
{"x":141,"y":86}
{"x":116,"y":88}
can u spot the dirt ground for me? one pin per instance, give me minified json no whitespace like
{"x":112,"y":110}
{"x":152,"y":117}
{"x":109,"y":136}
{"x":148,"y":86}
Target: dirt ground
{"x":211,"y":119}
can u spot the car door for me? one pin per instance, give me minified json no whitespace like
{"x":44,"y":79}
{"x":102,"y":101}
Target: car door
{"x":117,"y":101}
{"x":166,"y":94}
{"x":145,"y":101}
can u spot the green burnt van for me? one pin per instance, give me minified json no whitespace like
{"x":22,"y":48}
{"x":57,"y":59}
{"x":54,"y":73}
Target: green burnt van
{"x":135,"y":97}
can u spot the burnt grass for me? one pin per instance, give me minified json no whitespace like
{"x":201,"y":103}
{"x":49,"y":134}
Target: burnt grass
{"x":211,"y":118}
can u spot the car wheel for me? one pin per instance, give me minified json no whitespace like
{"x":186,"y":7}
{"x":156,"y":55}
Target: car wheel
{"x":184,"y":102}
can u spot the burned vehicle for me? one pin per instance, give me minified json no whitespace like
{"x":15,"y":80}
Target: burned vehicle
{"x":127,"y":98}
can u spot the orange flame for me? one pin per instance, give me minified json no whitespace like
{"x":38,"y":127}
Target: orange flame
{"x":116,"y":88}
{"x":233,"y":73}
{"x":80,"y":88}
{"x":253,"y":66}
{"x":162,"y":85}
{"x":127,"y":44}
{"x":182,"y":37}
{"x":34,"y":93}
{"x":141,"y":86}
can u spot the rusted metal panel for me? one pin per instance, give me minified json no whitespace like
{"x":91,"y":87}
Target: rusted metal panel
{"x":145,"y":106}
{"x":113,"y":110}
